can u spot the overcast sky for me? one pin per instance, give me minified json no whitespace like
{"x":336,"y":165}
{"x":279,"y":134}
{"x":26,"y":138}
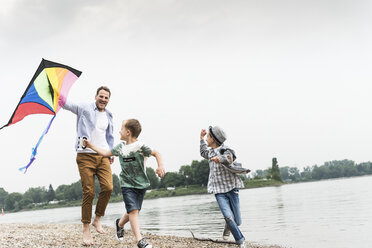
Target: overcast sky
{"x":288,"y":79}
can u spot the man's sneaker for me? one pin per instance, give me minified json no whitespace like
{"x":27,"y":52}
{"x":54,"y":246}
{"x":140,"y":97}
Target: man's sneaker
{"x":119,"y":231}
{"x":242,"y":245}
{"x":143,"y":244}
{"x":226,"y":232}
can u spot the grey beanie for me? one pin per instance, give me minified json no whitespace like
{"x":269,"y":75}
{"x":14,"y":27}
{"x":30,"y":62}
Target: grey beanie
{"x":217,"y":134}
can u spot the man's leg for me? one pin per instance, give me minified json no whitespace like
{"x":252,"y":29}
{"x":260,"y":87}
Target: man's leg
{"x":104,"y":176}
{"x":86,"y":169}
{"x":87,"y":237}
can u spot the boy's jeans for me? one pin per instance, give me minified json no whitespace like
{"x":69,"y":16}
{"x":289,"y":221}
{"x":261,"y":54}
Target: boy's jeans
{"x":230,"y":208}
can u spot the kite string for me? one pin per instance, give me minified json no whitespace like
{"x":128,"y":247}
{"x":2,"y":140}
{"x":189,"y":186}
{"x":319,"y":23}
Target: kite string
{"x":34,"y":150}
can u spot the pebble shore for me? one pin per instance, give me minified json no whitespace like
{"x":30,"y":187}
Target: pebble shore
{"x":70,"y":235}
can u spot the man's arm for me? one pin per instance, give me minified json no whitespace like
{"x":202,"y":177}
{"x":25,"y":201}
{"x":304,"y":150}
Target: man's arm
{"x":160,"y":171}
{"x":74,"y":108}
{"x":102,"y":152}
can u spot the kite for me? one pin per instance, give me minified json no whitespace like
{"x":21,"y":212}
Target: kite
{"x":45,"y":94}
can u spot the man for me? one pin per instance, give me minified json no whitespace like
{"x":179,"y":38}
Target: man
{"x":94,"y":122}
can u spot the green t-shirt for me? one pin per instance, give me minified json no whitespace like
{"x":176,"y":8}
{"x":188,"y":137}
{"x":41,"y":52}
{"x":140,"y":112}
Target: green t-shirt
{"x":132,"y":159}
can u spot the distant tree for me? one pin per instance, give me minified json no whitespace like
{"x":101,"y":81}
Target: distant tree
{"x":200,"y":172}
{"x":275,"y":172}
{"x":364,"y":168}
{"x":73,"y":192}
{"x":187,"y":172}
{"x":3,"y":195}
{"x":306,"y":174}
{"x":284,"y":173}
{"x":12,"y":201}
{"x":37,"y":195}
{"x":25,"y":202}
{"x":153,"y":178}
{"x":260,"y":174}
{"x":294,"y":174}
{"x":51,"y":194}
{"x":171,"y":179}
{"x":60,"y":192}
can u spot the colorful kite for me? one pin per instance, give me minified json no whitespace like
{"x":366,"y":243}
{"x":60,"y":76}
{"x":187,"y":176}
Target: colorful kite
{"x":45,"y":94}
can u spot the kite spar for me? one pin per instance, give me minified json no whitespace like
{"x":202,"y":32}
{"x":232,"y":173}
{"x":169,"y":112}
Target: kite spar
{"x":45,"y":94}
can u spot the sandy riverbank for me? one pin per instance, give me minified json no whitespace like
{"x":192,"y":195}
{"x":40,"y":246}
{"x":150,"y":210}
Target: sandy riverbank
{"x":69,"y":235}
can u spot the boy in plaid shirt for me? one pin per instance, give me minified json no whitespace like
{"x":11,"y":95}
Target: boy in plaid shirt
{"x":223,"y":180}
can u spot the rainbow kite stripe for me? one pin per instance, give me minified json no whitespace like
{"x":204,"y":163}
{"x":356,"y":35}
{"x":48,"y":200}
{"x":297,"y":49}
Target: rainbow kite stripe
{"x":50,"y":82}
{"x":45,"y":94}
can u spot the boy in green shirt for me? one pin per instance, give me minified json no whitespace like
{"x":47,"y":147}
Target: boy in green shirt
{"x":133,"y":179}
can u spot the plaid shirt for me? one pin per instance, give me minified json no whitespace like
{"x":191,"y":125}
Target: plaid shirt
{"x":220,"y":179}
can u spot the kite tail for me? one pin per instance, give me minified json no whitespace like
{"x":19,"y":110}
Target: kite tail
{"x":34,"y":150}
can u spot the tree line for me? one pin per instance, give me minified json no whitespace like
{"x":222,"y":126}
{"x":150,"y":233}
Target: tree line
{"x":329,"y":170}
{"x":195,"y":174}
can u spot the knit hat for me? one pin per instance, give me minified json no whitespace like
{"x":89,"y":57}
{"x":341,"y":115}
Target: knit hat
{"x":217,"y":134}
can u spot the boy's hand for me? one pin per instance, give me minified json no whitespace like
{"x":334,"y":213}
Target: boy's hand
{"x":203,"y":133}
{"x":160,"y":172}
{"x":86,"y":143}
{"x":215,"y":159}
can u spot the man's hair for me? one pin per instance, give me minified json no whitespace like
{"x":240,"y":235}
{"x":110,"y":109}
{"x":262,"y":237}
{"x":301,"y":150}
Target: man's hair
{"x":134,"y":127}
{"x":105,"y":88}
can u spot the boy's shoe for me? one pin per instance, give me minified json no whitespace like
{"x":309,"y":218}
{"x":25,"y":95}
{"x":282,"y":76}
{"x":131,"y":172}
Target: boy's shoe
{"x":143,"y":244}
{"x":242,"y":245}
{"x":119,"y":231}
{"x":226,"y":232}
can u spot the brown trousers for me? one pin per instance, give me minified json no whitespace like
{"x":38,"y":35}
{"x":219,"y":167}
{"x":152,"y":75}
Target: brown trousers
{"x":91,"y":164}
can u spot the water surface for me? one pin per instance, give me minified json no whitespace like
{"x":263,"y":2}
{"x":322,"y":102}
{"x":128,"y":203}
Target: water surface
{"x":325,"y":214}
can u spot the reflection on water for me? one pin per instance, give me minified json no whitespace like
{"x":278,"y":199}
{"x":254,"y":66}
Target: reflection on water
{"x":326,"y":214}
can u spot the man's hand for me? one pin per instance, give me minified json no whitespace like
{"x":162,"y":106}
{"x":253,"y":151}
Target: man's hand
{"x":203,"y":133}
{"x":215,"y":159}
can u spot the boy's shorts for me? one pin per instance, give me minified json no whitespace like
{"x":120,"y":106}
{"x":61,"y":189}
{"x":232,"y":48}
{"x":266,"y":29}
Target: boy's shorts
{"x":133,"y":198}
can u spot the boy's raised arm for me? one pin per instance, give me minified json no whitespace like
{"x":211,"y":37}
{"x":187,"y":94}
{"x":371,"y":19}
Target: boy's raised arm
{"x":203,"y":146}
{"x":102,"y":152}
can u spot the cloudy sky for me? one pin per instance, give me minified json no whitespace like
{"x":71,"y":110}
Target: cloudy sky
{"x":289,"y":79}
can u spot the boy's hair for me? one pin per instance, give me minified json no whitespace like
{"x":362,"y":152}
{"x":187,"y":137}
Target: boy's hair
{"x":105,"y":88}
{"x":134,"y":127}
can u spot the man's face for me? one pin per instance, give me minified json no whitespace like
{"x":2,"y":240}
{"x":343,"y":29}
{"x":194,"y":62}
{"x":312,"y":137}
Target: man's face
{"x":102,"y":99}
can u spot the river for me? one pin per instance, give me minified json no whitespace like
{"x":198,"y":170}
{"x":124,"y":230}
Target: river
{"x":325,"y":214}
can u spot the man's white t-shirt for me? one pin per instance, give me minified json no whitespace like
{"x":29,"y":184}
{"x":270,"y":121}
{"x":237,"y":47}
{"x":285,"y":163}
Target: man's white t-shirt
{"x":98,"y":136}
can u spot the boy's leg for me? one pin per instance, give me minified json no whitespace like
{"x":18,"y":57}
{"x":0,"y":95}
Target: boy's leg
{"x":224,"y":204}
{"x":124,"y":220}
{"x":104,"y":176}
{"x":133,"y":199}
{"x":235,"y":206}
{"x":134,"y":224}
